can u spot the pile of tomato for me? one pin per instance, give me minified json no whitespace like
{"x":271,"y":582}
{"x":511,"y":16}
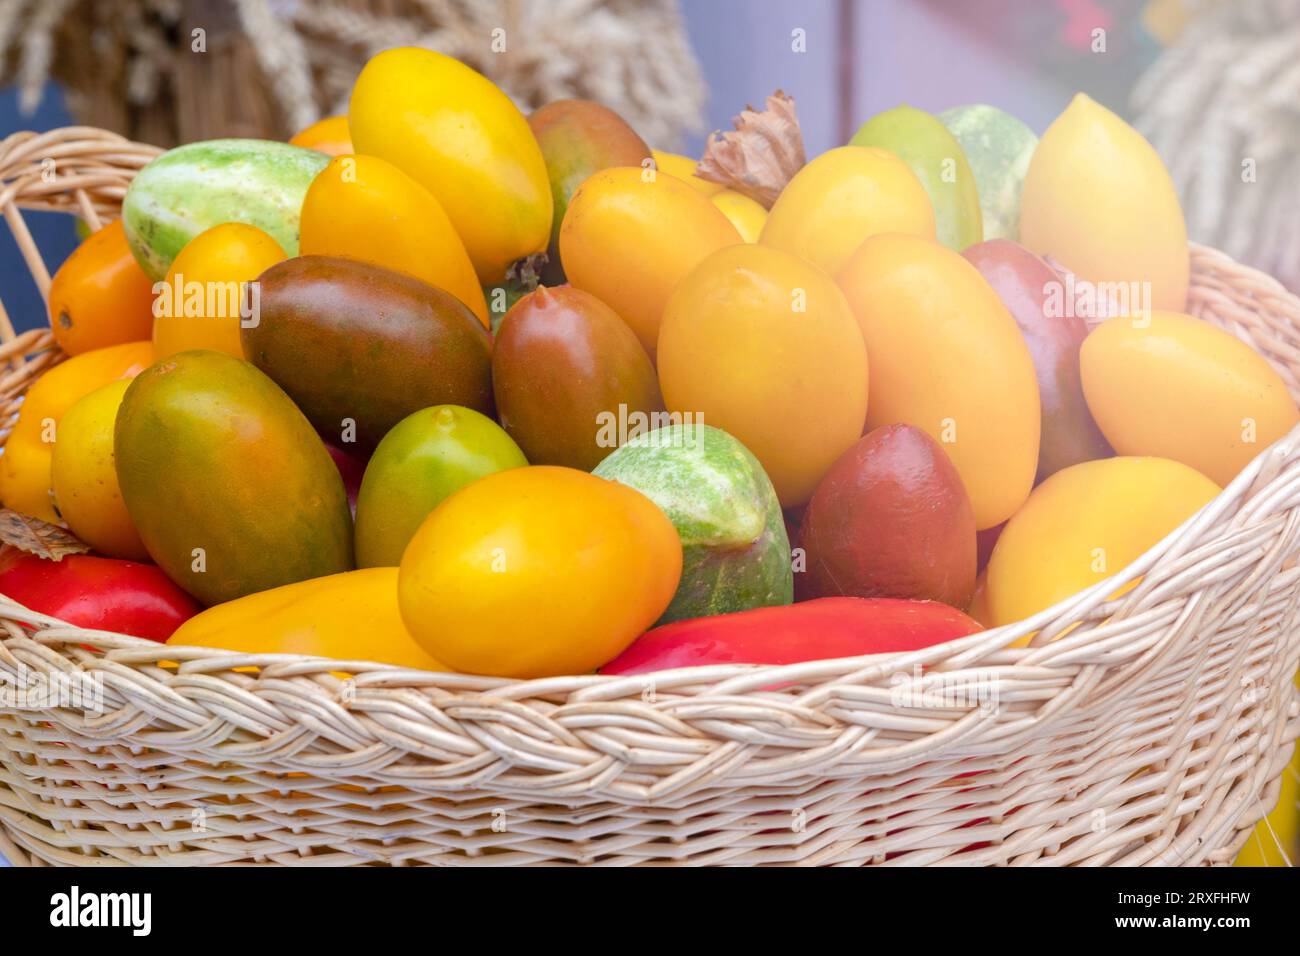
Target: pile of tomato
{"x":445,"y":386}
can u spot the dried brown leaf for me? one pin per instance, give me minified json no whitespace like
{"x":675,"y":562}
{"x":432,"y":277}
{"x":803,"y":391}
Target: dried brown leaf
{"x":38,"y":537}
{"x":761,"y":155}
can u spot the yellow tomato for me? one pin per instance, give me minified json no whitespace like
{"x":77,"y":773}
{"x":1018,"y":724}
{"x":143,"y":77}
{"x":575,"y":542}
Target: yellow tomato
{"x":100,"y":296}
{"x":630,"y":236}
{"x":841,"y":198}
{"x":746,"y":214}
{"x":1180,"y":388}
{"x":1098,"y":199}
{"x":536,"y":572}
{"x":364,"y":208}
{"x":762,"y":345}
{"x":85,"y":480}
{"x":683,"y":167}
{"x":25,"y":464}
{"x":200,"y":306}
{"x":947,"y":357}
{"x":1084,"y":524}
{"x":350,"y":616}
{"x":329,"y":135}
{"x":453,"y":131}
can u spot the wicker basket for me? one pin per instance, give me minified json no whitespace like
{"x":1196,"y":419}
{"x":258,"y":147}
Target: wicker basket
{"x":1154,"y":732}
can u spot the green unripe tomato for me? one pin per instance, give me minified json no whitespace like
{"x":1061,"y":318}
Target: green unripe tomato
{"x":423,"y":459}
{"x":934,"y":154}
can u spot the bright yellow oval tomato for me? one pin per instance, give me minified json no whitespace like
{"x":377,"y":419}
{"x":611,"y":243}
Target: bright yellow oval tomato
{"x":25,"y":464}
{"x":453,"y":131}
{"x":329,"y":135}
{"x":842,"y":197}
{"x":1098,"y":199}
{"x":351,"y":616}
{"x":1180,"y":388}
{"x":1085,"y":523}
{"x":747,"y":215}
{"x":536,"y":572}
{"x":100,"y":296}
{"x":629,"y":237}
{"x":200,"y":304}
{"x":761,"y":344}
{"x":683,"y":167}
{"x":365,"y":208}
{"x":84,"y":477}
{"x":947,"y":357}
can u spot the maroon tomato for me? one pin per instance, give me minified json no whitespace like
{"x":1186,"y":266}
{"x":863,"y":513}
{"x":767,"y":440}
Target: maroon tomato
{"x":890,"y":519}
{"x":351,"y":469}
{"x":570,"y":378}
{"x":1033,"y":293}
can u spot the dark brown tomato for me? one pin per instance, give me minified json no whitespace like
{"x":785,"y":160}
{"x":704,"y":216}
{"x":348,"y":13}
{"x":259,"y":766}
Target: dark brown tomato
{"x":890,"y":519}
{"x":571,"y":378}
{"x":355,"y":343}
{"x":578,"y":138}
{"x":1054,"y":334}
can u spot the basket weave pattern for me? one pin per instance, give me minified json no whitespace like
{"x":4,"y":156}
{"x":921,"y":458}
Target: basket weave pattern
{"x":1154,"y":732}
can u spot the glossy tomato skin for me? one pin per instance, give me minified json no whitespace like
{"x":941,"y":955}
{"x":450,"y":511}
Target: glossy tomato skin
{"x":100,"y":296}
{"x":842,"y":198}
{"x":423,"y":460}
{"x":349,"y":616}
{"x":1024,"y":283}
{"x":452,"y":130}
{"x":630,"y":235}
{"x":563,"y":366}
{"x":947,"y":357}
{"x":367,"y":209}
{"x":538,"y":572}
{"x":1178,"y":387}
{"x":762,"y":344}
{"x":810,"y":630}
{"x":578,"y":138}
{"x":84,"y":477}
{"x":1084,"y":524}
{"x":101,"y":594}
{"x":890,"y":519}
{"x":229,"y":255}
{"x":25,"y":475}
{"x":329,"y":136}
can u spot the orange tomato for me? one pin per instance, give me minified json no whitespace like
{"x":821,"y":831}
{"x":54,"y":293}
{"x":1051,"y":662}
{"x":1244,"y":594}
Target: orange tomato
{"x":25,"y":465}
{"x":365,"y":208}
{"x":329,"y":136}
{"x":536,"y":572}
{"x":632,"y":234}
{"x":947,"y":357}
{"x":100,"y":296}
{"x":199,"y":307}
{"x":763,"y":345}
{"x":841,"y":198}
